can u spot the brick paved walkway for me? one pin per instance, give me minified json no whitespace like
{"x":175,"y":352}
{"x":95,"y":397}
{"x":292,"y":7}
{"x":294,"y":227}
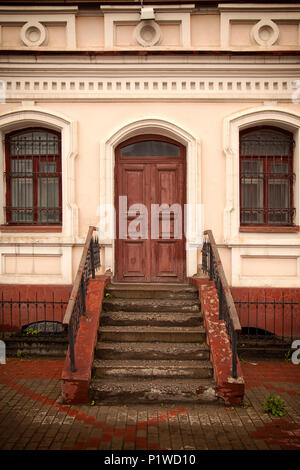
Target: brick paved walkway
{"x":32,"y":418}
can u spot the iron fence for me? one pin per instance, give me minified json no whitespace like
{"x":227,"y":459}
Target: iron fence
{"x":21,"y":316}
{"x":269,"y":320}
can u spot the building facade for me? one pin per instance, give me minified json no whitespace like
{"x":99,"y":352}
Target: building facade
{"x":105,"y":105}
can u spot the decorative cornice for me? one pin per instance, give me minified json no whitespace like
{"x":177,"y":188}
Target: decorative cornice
{"x":155,"y":85}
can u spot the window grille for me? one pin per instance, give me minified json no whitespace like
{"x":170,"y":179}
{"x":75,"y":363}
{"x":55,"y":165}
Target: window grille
{"x":33,"y":177}
{"x":266,"y":177}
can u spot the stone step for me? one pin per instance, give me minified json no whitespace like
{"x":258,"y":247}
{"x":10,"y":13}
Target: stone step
{"x":106,"y":350}
{"x":152,"y":347}
{"x":150,"y":305}
{"x":152,"y":291}
{"x":152,"y":334}
{"x":134,"y":368}
{"x":148,"y":390}
{"x":39,"y":346}
{"x":151,"y":318}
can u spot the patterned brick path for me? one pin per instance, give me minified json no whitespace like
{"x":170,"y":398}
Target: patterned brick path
{"x":32,"y":417}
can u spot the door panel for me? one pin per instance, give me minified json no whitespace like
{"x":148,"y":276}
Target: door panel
{"x":157,"y":252}
{"x":134,"y":257}
{"x":133,"y":183}
{"x":166,"y":183}
{"x":132,"y":254}
{"x":165,"y":260}
{"x":168,"y":244}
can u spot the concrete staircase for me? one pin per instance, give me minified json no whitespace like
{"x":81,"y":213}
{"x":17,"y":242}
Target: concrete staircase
{"x":152,"y":347}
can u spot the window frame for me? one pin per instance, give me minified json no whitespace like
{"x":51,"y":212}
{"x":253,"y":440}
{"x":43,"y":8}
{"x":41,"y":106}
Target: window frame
{"x":267,"y":176}
{"x":35,"y":176}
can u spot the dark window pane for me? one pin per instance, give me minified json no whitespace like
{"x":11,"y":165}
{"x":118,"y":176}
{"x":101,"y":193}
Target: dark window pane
{"x":252,"y":191}
{"x":279,"y":200}
{"x":34,"y":143}
{"x":48,"y":199}
{"x":151,"y":148}
{"x":265,"y":142}
{"x":279,"y":168}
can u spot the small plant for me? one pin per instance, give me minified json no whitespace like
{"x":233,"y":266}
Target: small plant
{"x":288,"y":356}
{"x":32,"y":332}
{"x":274,"y":405}
{"x":19,"y":353}
{"x":244,"y":404}
{"x":106,"y":294}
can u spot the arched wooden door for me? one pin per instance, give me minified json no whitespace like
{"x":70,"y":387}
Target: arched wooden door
{"x":150,"y":188}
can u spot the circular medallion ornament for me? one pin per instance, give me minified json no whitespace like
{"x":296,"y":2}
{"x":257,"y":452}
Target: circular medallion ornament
{"x":33,"y":33}
{"x":147,"y":33}
{"x":265,"y":33}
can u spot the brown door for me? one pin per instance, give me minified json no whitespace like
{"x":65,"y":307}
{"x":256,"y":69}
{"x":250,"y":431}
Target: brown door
{"x":150,"y":197}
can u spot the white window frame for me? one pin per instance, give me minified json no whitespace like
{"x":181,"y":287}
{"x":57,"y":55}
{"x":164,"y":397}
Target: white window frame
{"x":33,"y":117}
{"x":34,"y":243}
{"x":233,"y":125}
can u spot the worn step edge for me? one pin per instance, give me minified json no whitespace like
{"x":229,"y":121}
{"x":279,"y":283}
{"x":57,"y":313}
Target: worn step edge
{"x":152,"y":329}
{"x":150,"y":286}
{"x":154,"y":351}
{"x":108,"y":301}
{"x":149,"y":305}
{"x":144,"y":368}
{"x":152,"y":334}
{"x":147,"y":363}
{"x":151,"y":294}
{"x":145,"y":390}
{"x":119,"y":318}
{"x":140,"y":345}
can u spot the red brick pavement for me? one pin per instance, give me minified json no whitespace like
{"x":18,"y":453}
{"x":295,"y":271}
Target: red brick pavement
{"x":32,"y":417}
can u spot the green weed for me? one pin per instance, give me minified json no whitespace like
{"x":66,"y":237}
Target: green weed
{"x":274,"y":405}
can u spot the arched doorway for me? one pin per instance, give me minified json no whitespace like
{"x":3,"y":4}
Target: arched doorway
{"x":150,"y":192}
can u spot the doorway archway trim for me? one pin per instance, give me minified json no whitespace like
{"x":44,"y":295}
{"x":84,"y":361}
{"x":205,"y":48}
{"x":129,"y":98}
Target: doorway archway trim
{"x":172,"y":130}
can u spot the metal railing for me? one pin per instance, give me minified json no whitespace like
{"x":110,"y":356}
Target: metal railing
{"x":212,"y":265}
{"x":18,"y":314}
{"x":275,"y":321}
{"x":90,"y":262}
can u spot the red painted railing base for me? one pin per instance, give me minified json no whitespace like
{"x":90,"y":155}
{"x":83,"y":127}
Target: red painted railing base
{"x":229,"y":389}
{"x":75,"y":385}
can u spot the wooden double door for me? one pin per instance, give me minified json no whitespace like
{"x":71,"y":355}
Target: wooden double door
{"x":149,"y":199}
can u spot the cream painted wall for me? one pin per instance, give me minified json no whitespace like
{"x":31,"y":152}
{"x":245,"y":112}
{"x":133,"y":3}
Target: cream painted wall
{"x":97,"y":96}
{"x":179,"y":25}
{"x":98,"y":121}
{"x":90,"y":31}
{"x":205,"y":30}
{"x":203,"y":120}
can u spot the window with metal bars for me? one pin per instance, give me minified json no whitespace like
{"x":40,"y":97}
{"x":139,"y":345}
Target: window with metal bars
{"x":33,"y":177}
{"x":266,"y":177}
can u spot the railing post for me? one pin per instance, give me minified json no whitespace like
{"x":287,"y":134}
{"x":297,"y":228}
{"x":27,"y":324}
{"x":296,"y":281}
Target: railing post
{"x":82,"y":289}
{"x":92,"y":258}
{"x":211,"y":263}
{"x":234,"y":352}
{"x":220,"y":289}
{"x":71,"y":346}
{"x":2,"y":310}
{"x":203,"y":257}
